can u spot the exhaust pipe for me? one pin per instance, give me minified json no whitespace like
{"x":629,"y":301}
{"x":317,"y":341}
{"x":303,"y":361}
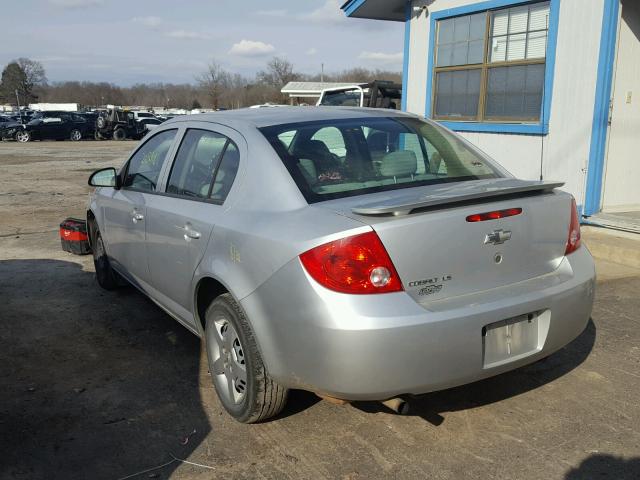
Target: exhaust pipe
{"x":398,"y":405}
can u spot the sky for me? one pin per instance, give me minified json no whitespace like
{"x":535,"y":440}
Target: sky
{"x":132,"y":41}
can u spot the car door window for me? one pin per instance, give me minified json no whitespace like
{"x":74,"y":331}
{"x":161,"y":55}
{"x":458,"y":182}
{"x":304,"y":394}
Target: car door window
{"x":52,"y":120}
{"x":144,"y":167}
{"x":226,"y":173}
{"x":195,"y":164}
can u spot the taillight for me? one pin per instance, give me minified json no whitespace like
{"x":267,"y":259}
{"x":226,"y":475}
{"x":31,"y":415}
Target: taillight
{"x":573,"y":242}
{"x":495,"y":215}
{"x":358,"y":264}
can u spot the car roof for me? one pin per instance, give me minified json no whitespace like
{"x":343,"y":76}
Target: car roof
{"x":266,"y":117}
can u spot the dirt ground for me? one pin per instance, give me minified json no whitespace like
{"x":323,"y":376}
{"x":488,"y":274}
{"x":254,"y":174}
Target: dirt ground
{"x":100,"y":385}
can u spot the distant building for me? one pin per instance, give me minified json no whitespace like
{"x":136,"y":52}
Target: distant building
{"x":550,"y":89}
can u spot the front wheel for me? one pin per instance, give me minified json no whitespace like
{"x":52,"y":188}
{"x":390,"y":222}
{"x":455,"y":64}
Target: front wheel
{"x":76,"y":135}
{"x":23,"y":136}
{"x":242,"y":382}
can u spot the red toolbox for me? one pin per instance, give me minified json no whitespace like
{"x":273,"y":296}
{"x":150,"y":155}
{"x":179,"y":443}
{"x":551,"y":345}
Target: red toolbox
{"x":73,"y":236}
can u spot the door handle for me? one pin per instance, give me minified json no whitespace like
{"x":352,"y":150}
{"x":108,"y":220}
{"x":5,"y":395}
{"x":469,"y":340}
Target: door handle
{"x":136,"y":217}
{"x":190,"y":234}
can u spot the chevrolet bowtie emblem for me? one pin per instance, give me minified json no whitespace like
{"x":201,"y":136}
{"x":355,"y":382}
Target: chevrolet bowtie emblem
{"x":497,"y":237}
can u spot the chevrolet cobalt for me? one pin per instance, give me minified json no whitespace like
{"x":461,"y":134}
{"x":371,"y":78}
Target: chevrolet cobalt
{"x":357,"y":253}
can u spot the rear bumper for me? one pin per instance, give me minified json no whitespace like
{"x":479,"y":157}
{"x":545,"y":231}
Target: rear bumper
{"x":373,"y":347}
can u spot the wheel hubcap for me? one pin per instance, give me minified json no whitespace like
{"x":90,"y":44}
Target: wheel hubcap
{"x":227,"y":356}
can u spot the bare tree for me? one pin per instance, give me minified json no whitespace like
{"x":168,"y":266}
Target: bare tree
{"x":24,"y":76}
{"x":356,"y":75}
{"x":34,"y":73}
{"x":278,"y":73}
{"x":213,"y":81}
{"x":215,"y":87}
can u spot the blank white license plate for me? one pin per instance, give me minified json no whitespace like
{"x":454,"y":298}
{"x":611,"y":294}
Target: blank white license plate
{"x":509,"y":340}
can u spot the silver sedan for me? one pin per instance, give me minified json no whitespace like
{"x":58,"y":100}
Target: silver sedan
{"x":360,"y":254}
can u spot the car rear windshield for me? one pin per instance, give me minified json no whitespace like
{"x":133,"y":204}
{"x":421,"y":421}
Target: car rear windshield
{"x":342,"y":98}
{"x":342,"y":158}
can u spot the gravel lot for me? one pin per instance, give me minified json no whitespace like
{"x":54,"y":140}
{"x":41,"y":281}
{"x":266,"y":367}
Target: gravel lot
{"x":104,"y":385}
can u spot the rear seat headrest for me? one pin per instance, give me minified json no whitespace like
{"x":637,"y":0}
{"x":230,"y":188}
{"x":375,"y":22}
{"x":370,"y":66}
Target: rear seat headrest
{"x":399,"y":164}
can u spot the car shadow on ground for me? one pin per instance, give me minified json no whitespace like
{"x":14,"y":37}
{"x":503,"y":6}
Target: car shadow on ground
{"x":494,"y":389}
{"x":95,"y":384}
{"x":606,"y":466}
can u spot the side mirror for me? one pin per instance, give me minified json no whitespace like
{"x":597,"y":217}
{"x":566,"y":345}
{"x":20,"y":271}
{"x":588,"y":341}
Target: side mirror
{"x":106,"y":177}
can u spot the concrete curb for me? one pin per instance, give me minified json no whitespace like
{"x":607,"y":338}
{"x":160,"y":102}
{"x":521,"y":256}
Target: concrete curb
{"x":612,"y":245}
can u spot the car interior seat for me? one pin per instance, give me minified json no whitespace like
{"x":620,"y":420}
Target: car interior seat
{"x":318,"y":152}
{"x":377,"y":143}
{"x":399,"y":164}
{"x":434,"y":163}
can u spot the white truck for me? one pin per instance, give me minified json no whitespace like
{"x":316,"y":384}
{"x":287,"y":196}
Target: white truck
{"x":377,"y":94}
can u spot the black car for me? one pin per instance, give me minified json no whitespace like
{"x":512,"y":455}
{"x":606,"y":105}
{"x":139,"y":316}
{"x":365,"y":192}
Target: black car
{"x":56,"y":126}
{"x":8,"y":127}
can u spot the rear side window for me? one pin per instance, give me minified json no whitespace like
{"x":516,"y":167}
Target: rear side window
{"x":144,"y":167}
{"x":340,"y":158}
{"x":205,"y":166}
{"x":226,"y":173}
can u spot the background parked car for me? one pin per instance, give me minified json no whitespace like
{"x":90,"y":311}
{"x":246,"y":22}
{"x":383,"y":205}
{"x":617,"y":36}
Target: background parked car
{"x":56,"y":126}
{"x":8,"y":127}
{"x":377,"y":94}
{"x":118,"y":124}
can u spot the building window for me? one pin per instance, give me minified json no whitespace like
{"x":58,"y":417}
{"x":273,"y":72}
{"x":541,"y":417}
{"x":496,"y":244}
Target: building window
{"x":490,"y":66}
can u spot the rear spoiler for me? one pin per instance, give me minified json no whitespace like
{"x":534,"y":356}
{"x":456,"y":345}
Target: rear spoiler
{"x":404,"y":207}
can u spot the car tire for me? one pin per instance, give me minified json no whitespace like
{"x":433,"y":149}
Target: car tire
{"x":23,"y":136}
{"x":75,"y":135}
{"x":106,"y":276}
{"x":101,"y":122}
{"x":119,"y":134}
{"x":241,"y":380}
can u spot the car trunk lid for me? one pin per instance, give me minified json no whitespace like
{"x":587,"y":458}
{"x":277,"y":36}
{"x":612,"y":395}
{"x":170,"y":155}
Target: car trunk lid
{"x":439,"y":254}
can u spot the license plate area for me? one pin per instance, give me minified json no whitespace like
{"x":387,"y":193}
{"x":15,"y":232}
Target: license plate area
{"x":514,"y":338}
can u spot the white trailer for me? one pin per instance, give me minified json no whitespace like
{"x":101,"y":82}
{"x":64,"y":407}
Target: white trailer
{"x":58,"y":107}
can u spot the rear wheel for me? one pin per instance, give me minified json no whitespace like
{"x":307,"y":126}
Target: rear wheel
{"x":76,"y":135}
{"x":119,"y":134}
{"x":106,"y":276}
{"x":23,"y":136}
{"x":242,"y":382}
